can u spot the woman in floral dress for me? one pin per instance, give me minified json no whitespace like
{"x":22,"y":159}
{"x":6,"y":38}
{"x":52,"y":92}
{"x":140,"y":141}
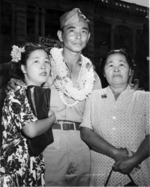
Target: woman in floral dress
{"x":116,"y":125}
{"x":72,"y":80}
{"x":18,"y":168}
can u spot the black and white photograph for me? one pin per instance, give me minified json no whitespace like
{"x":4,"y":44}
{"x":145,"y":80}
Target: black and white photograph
{"x":74,"y":93}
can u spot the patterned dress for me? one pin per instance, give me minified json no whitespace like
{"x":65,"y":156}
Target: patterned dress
{"x":123,"y":123}
{"x":17,"y":167}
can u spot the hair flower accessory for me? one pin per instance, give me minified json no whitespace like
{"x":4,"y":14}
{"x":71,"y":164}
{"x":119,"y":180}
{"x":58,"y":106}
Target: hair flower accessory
{"x":16,"y":53}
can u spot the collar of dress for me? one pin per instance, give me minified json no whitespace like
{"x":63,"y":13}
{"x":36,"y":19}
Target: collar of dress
{"x":84,"y":86}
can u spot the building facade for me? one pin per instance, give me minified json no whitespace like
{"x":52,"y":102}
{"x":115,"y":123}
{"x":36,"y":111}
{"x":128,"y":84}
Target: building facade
{"x":114,"y":24}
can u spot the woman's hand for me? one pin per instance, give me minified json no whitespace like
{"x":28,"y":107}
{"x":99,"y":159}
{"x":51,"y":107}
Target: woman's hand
{"x":125,"y":165}
{"x":120,"y":153}
{"x":51,"y":114}
{"x":13,"y":83}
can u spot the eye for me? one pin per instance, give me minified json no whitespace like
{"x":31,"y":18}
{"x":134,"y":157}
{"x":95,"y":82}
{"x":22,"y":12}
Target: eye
{"x":110,"y":65}
{"x":36,"y":61}
{"x":72,"y":31}
{"x":85,"y":31}
{"x":47,"y":61}
{"x":122,"y":65}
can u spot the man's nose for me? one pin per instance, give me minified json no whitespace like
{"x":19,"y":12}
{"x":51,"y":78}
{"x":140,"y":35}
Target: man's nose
{"x":78,"y":35}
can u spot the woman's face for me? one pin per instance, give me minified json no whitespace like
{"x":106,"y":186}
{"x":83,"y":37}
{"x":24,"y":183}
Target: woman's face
{"x":116,"y":70}
{"x":37,"y":68}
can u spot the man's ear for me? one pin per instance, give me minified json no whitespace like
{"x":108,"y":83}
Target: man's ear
{"x":130,"y":72}
{"x":89,"y":36}
{"x":59,"y":34}
{"x":23,"y":69}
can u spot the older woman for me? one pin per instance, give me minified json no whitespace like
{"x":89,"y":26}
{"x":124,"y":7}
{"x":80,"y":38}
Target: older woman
{"x":116,"y":126}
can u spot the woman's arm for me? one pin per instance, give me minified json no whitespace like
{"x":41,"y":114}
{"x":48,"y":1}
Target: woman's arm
{"x":143,"y":151}
{"x":39,"y":127}
{"x":100,"y":145}
{"x":14,"y":83}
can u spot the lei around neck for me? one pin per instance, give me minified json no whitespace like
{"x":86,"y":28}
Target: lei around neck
{"x":78,"y":92}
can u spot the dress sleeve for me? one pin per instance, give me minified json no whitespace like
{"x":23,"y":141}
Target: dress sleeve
{"x":87,"y":114}
{"x":20,"y":108}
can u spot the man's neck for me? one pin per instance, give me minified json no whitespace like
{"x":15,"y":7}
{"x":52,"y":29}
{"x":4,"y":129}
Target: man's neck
{"x":71,"y":58}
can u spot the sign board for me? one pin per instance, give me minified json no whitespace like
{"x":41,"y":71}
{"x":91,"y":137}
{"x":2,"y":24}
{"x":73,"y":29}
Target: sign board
{"x":50,"y":42}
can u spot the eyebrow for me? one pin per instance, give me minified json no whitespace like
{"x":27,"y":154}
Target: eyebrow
{"x":108,"y":62}
{"x":36,"y":57}
{"x":72,"y":27}
{"x":124,"y":61}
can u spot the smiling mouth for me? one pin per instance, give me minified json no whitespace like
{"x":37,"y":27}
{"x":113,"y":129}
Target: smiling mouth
{"x":77,"y":44}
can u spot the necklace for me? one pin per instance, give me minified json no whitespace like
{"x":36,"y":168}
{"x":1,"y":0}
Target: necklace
{"x":78,"y":92}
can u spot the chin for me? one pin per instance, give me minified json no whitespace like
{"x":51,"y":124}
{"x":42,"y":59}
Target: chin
{"x":78,"y":48}
{"x":42,"y":81}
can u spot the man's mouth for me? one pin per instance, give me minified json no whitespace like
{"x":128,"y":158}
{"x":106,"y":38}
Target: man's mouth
{"x":77,"y":44}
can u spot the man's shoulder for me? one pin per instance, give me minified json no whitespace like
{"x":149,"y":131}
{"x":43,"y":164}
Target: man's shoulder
{"x":97,"y":83}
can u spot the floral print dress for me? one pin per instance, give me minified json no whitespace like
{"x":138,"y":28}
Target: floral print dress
{"x":17,"y":167}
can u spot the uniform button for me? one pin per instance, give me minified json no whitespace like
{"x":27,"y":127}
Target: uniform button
{"x":114,"y":117}
{"x":113,"y":128}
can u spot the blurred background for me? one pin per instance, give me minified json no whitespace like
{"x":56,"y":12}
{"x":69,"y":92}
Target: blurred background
{"x":115,"y":24}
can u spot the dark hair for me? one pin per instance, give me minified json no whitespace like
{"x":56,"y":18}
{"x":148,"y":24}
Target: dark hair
{"x":116,"y":51}
{"x":16,"y":71}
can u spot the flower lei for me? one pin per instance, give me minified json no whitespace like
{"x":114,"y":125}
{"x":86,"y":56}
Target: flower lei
{"x":64,"y":84}
{"x":16,"y":53}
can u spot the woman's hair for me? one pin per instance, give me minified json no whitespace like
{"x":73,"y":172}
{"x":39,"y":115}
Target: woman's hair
{"x":116,"y":51}
{"x":28,"y":48}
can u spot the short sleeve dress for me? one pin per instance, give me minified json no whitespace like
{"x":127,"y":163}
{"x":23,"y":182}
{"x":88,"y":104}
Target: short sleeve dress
{"x":17,"y":167}
{"x":123,"y":123}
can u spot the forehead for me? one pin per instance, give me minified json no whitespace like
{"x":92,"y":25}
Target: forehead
{"x":81,"y":25}
{"x":116,"y":56}
{"x":37,"y":53}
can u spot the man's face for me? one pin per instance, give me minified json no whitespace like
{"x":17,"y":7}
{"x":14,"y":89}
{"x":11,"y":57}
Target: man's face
{"x":75,"y":36}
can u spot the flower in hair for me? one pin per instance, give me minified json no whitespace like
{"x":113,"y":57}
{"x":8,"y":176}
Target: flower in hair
{"x":16,"y":53}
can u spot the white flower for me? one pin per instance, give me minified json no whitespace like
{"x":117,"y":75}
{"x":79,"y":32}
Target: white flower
{"x":64,"y":84}
{"x":16,"y":53}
